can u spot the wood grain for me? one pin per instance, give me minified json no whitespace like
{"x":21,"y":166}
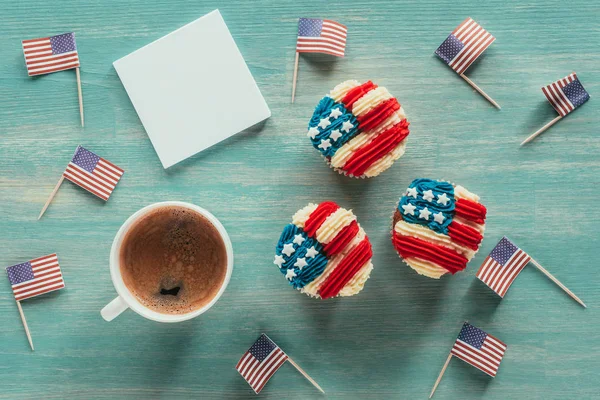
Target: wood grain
{"x":389,"y":341}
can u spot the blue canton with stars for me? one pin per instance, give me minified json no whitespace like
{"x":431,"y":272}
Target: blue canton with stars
{"x":471,"y":335}
{"x":424,"y":199}
{"x":503,"y":250}
{"x":576,"y":93}
{"x":300,"y":254}
{"x":449,"y":49}
{"x":310,"y":27}
{"x":331,"y":126}
{"x":85,"y":159}
{"x":262,"y":348}
{"x":20,"y":273}
{"x":63,"y":43}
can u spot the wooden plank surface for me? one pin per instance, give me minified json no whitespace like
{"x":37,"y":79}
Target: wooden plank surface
{"x":391,"y":340}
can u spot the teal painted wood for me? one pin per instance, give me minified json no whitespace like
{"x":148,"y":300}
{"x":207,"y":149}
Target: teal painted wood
{"x":391,"y":340}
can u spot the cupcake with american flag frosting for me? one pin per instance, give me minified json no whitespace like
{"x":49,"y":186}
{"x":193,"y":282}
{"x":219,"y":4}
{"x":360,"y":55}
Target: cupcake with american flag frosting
{"x":324,"y":252}
{"x":360,"y":129}
{"x":438,"y":227}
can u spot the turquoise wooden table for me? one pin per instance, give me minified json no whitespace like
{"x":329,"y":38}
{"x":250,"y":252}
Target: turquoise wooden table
{"x":392,"y":339}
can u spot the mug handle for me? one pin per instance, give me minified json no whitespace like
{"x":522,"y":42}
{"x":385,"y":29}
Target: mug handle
{"x":113,"y":309}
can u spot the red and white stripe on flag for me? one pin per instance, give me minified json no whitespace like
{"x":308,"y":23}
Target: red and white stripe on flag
{"x":487,"y":359}
{"x":499,"y":277}
{"x":475,"y":40}
{"x":40,"y":59}
{"x":332,"y":40}
{"x":556,"y":96}
{"x":101,"y":181}
{"x":47,"y":278}
{"x":258,"y":373}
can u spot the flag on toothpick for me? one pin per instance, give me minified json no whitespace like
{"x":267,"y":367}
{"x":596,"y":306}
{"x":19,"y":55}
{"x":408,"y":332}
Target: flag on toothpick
{"x":462,"y":47}
{"x":318,"y":36}
{"x":53,"y":54}
{"x":564,"y":95}
{"x":478,"y":348}
{"x":502,"y":266}
{"x":93,"y":173}
{"x":475,"y":347}
{"x":35,"y":277}
{"x":50,"y":54}
{"x":261,"y":362}
{"x":321,"y":36}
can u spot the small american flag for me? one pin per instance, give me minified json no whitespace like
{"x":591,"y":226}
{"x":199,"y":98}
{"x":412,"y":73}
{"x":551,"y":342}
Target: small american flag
{"x":50,"y":54}
{"x":261,"y":362}
{"x":321,"y":36}
{"x":35,"y":277}
{"x":93,"y":173}
{"x":566,"y":94}
{"x":502,"y":266}
{"x":478,"y":348}
{"x":464,"y":45}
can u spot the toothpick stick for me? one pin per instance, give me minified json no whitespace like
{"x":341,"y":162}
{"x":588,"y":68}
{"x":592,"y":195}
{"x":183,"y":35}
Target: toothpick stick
{"x":553,"y":279}
{"x":541,"y":130}
{"x":481,"y":92}
{"x":439,"y":378}
{"x":295,"y":76}
{"x":80,"y":94}
{"x":60,"y":181}
{"x":311,"y":380}
{"x":25,"y":324}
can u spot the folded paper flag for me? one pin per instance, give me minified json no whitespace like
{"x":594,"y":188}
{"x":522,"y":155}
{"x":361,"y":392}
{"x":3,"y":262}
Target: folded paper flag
{"x":566,"y":94}
{"x":464,"y":45}
{"x":35,"y":277}
{"x":321,"y":36}
{"x":261,"y":362}
{"x":93,"y":173}
{"x":502,"y":266}
{"x":478,"y":348}
{"x":50,"y":54}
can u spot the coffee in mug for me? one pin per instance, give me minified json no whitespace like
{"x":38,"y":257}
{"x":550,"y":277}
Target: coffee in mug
{"x":173,"y":260}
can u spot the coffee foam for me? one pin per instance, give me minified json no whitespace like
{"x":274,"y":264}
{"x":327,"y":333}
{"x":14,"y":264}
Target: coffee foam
{"x":173,"y":260}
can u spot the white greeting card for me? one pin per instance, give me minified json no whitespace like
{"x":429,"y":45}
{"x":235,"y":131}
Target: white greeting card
{"x":192,"y":89}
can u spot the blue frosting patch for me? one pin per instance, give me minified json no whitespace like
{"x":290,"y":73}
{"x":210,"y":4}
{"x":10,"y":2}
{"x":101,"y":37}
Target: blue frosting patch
{"x":331,"y":126}
{"x":300,"y":254}
{"x":423,"y":202}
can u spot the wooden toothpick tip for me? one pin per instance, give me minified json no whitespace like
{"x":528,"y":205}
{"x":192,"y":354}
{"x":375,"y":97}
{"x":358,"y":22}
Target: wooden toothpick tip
{"x":541,"y":130}
{"x":25,"y":325}
{"x":60,"y":181}
{"x":481,"y":92}
{"x":295,"y":77}
{"x":311,"y":380}
{"x":439,"y":378}
{"x":553,"y":279}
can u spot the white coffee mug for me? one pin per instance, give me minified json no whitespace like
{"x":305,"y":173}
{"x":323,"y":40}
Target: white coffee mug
{"x":126,"y":299}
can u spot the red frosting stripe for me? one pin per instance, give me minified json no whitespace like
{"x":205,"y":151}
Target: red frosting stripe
{"x":464,"y":235}
{"x":470,"y":210}
{"x":317,"y":217}
{"x":341,"y":240}
{"x":378,"y":115}
{"x":385,"y":142}
{"x":346,"y":269}
{"x":410,"y":247}
{"x":356,"y":93}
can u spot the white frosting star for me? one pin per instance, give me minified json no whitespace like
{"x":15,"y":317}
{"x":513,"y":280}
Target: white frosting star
{"x":312,"y":252}
{"x":346,"y":126}
{"x":335,"y":135}
{"x":290,"y":274}
{"x":335,"y":113}
{"x":409,"y":209}
{"x":312,"y":132}
{"x":298,"y":239}
{"x":288,"y":249}
{"x":443,"y":199}
{"x":412,"y":192}
{"x":424,"y":214}
{"x":325,"y":144}
{"x":324,"y":123}
{"x":300,"y":263}
{"x":439,"y":218}
{"x":428,"y":195}
{"x":278,"y":260}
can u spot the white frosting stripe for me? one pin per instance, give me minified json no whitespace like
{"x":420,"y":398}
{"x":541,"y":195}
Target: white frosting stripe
{"x":301,"y":216}
{"x":338,"y":92}
{"x":386,"y":161}
{"x":426,"y":268}
{"x":421,"y":232}
{"x":462,"y":193}
{"x":370,"y":100}
{"x":334,"y":224}
{"x":357,"y":283}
